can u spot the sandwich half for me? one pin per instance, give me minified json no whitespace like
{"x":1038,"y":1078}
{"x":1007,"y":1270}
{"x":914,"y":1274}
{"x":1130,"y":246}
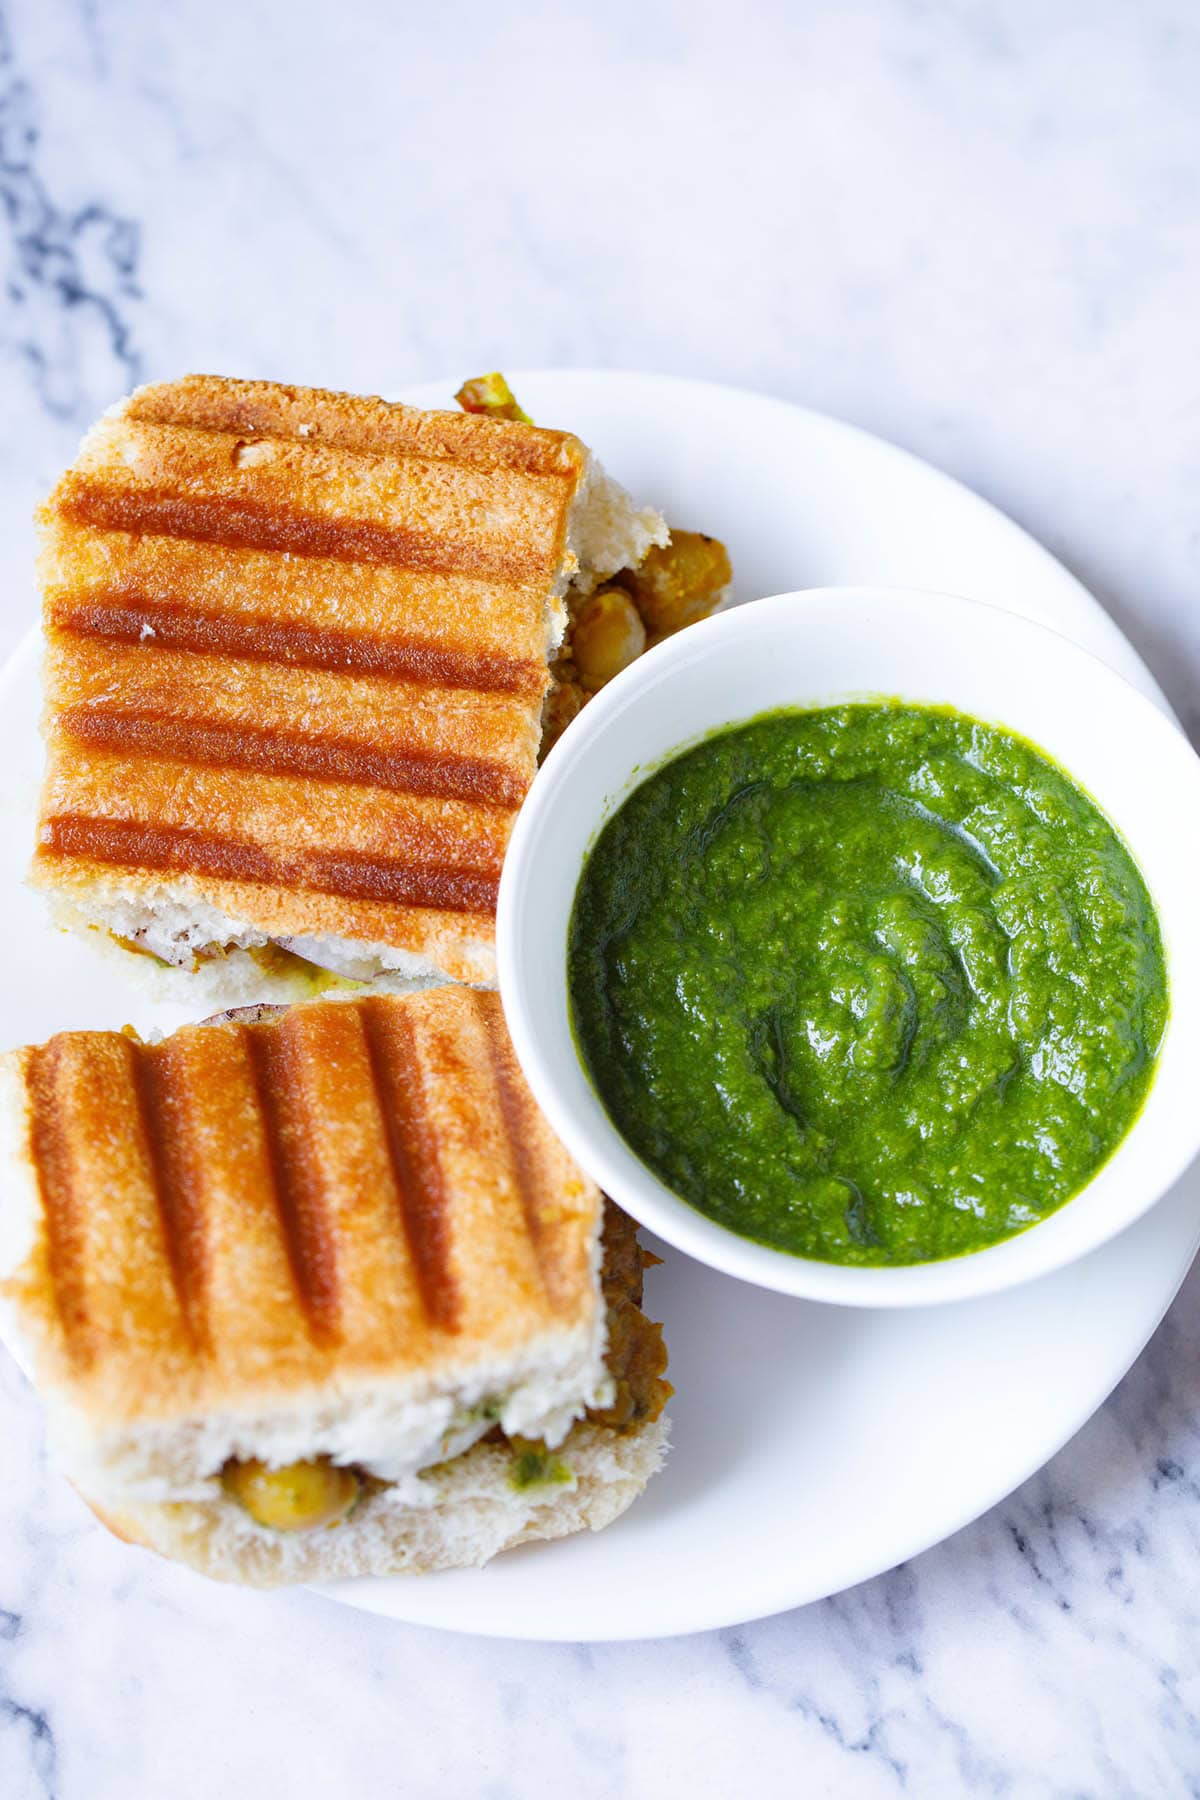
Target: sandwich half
{"x":299,"y":651}
{"x":315,"y":1292}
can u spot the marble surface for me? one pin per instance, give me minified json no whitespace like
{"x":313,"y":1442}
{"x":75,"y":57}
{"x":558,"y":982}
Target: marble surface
{"x":973,"y":227}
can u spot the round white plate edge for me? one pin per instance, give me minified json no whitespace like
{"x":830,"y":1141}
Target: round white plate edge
{"x":382,"y":1597}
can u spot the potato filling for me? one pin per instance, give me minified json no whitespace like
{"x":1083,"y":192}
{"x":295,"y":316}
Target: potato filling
{"x":636,"y":1356}
{"x":306,"y":1496}
{"x":301,"y":1496}
{"x":674,"y":585}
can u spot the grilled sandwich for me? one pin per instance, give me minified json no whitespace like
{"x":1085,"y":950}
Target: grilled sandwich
{"x":315,"y":1292}
{"x":299,"y":651}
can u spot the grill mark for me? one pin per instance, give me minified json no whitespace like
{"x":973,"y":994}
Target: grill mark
{"x":420,"y":1185}
{"x":216,"y":744}
{"x":160,"y":1101}
{"x":515,"y":1109}
{"x":350,"y":875}
{"x":128,"y":617}
{"x":299,"y":1200}
{"x":241,"y":523}
{"x":61,"y":1208}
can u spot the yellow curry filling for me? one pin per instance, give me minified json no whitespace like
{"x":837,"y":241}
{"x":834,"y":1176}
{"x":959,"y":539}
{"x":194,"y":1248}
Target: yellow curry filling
{"x":674,"y":585}
{"x":316,"y":1493}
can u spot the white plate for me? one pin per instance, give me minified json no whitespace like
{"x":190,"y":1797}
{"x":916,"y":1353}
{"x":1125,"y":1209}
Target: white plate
{"x":814,"y":1446}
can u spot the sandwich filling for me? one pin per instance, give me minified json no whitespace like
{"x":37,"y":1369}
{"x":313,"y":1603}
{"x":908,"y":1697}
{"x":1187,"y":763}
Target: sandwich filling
{"x":316,"y":1493}
{"x":309,"y":1264}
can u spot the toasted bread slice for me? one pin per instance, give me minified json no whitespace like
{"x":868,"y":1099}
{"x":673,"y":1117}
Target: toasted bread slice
{"x":298,"y":649}
{"x":345,"y":1232}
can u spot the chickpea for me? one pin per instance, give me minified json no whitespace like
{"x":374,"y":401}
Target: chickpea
{"x":299,"y":1497}
{"x":608,"y":635}
{"x":680,"y":582}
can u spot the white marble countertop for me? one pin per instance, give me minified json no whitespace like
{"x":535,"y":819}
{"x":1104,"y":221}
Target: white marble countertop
{"x":974,"y":228}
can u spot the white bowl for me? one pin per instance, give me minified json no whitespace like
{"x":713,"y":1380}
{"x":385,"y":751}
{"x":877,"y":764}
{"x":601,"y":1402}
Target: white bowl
{"x":815,"y":649}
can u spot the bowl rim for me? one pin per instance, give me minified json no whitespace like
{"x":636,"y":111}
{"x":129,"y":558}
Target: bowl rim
{"x":596,"y":1143}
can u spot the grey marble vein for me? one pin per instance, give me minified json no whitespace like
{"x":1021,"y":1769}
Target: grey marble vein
{"x":71,"y":272}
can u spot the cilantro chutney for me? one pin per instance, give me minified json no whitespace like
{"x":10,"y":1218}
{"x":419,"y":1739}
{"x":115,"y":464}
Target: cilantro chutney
{"x":876,"y":984}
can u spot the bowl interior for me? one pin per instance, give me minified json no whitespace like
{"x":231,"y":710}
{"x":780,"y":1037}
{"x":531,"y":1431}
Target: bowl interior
{"x":816,"y":649}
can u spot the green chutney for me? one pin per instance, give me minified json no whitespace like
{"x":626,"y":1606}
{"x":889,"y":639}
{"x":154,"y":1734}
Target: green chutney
{"x":877,"y":984}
